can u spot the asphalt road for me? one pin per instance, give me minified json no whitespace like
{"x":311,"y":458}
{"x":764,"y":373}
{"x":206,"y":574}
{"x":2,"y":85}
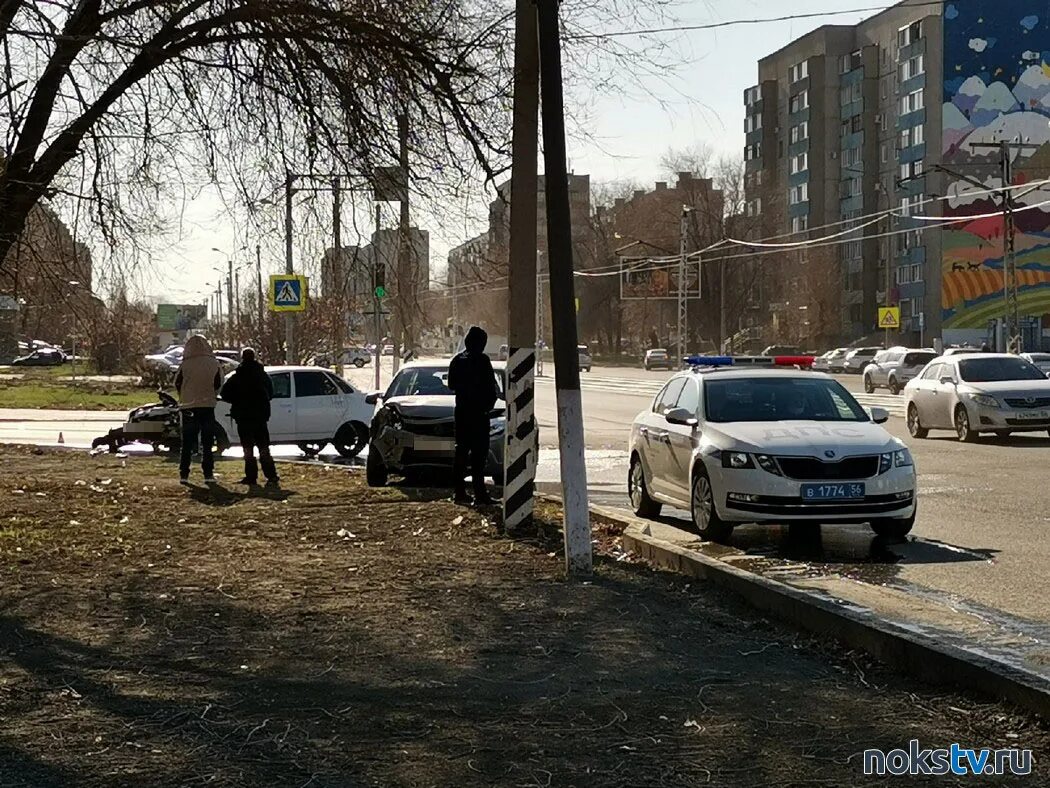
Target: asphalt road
{"x":981,"y":536}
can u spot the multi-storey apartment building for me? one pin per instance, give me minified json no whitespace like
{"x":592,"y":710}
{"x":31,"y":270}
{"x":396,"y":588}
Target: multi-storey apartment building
{"x":932,"y":112}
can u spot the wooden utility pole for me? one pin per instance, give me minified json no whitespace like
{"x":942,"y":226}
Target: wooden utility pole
{"x":563,"y":299}
{"x":406,"y":279}
{"x":519,"y":455}
{"x":338,"y":275}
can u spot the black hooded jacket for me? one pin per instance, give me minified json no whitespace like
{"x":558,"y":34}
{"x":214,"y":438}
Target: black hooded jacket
{"x":471,"y":377}
{"x":249,"y":391}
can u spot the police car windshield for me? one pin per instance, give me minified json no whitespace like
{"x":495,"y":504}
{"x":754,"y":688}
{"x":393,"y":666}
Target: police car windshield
{"x":779,"y":399}
{"x":990,"y":370}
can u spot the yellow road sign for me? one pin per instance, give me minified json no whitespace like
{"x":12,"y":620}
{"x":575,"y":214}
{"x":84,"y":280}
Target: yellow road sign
{"x":288,"y":293}
{"x":890,"y":317}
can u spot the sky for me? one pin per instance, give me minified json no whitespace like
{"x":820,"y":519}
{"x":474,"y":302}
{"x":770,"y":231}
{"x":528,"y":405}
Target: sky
{"x":628,"y":137}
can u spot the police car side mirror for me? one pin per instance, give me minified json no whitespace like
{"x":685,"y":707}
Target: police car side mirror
{"x":682,"y":417}
{"x":879,"y":415}
{"x":373,"y":398}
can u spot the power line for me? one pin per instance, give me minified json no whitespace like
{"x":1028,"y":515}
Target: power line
{"x":737,"y":22}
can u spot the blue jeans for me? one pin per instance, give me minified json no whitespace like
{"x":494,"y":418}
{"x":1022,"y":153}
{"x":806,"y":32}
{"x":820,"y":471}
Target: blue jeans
{"x":197,"y":423}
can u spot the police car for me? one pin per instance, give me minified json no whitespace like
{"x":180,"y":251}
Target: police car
{"x":776,"y":442}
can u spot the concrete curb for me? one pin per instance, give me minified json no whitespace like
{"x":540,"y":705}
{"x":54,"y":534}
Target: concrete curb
{"x":856,"y":627}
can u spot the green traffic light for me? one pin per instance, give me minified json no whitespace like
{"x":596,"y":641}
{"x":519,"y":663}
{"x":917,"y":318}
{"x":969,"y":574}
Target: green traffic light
{"x":380,"y":292}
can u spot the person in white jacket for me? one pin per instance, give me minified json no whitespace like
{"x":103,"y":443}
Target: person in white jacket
{"x":198,"y":382}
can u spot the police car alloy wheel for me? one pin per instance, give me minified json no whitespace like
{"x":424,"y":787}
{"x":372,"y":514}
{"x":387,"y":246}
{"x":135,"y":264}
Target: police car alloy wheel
{"x":705,"y":516}
{"x":641,"y":503}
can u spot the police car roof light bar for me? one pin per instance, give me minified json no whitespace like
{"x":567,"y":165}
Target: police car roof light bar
{"x":793,"y":361}
{"x":709,"y":361}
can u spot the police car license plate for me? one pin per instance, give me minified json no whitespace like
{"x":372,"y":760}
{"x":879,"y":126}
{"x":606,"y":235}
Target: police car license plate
{"x":832,"y":492}
{"x":1032,"y":415}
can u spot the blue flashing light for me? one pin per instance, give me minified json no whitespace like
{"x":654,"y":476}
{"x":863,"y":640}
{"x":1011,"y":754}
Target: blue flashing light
{"x":709,"y":361}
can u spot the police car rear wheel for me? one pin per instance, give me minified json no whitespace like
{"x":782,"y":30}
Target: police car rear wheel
{"x":705,"y":516}
{"x":641,"y":503}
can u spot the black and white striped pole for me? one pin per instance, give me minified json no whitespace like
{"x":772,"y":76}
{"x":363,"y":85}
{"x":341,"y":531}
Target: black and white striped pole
{"x":563,"y":300}
{"x":520,"y":449}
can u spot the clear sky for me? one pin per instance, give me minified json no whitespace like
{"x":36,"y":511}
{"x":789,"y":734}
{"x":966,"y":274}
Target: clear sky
{"x":703,"y":105}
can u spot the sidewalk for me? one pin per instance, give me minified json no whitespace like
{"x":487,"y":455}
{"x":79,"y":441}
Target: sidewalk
{"x":333,"y":635}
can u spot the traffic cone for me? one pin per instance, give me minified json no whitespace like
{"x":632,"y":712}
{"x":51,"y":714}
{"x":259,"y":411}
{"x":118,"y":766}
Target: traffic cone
{"x":61,"y":440}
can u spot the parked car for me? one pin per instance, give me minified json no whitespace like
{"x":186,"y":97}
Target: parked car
{"x":311,"y":407}
{"x":893,"y":368}
{"x":972,"y":393}
{"x":1041,"y":360}
{"x":857,"y":360}
{"x":958,"y":351}
{"x":355,"y":356}
{"x":43,"y":357}
{"x":657,"y":358}
{"x":781,"y":350}
{"x":837,"y":360}
{"x":584,"y":354}
{"x":413,"y":430}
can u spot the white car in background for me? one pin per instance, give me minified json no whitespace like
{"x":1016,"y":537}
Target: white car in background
{"x":971,"y":393}
{"x":751,"y":444}
{"x":311,"y":407}
{"x":1041,"y":360}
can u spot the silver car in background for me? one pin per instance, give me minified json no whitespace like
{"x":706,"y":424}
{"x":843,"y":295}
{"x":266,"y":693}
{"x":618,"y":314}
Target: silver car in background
{"x":893,"y":368}
{"x":857,"y":360}
{"x":1041,"y":360}
{"x":978,"y":392}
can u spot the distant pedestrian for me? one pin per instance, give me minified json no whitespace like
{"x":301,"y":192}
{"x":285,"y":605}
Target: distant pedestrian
{"x":198,"y":382}
{"x":249,"y":391}
{"x":472,"y":379}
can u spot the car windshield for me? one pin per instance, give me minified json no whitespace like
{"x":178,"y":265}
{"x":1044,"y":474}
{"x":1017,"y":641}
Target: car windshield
{"x":779,"y":399}
{"x":426,"y":381}
{"x":918,"y":359}
{"x":991,"y":370}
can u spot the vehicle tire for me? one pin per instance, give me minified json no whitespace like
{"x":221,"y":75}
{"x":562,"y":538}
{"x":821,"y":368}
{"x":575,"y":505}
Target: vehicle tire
{"x":351,"y":438}
{"x":915,"y":429}
{"x":376,"y":473}
{"x":893,"y":529}
{"x":869,"y":386}
{"x":641,"y":503}
{"x":311,"y":450}
{"x":705,"y":515}
{"x":222,"y":440}
{"x":894,"y":386}
{"x":962,"y":425}
{"x":359,"y":363}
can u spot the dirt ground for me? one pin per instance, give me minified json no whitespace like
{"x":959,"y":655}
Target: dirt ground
{"x":332,"y":635}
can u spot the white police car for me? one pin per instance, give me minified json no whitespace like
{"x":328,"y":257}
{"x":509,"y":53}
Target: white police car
{"x":768,"y":443}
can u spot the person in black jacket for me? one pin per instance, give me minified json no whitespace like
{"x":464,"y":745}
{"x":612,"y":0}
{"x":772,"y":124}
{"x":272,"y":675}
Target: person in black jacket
{"x":249,"y":391}
{"x":472,"y":379}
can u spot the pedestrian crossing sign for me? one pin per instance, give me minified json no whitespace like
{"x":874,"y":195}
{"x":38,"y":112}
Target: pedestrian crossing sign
{"x":288,"y":293}
{"x":890,"y":317}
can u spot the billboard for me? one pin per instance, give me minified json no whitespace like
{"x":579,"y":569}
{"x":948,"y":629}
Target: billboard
{"x":180,"y":317}
{"x":996,"y":87}
{"x":645,"y":278}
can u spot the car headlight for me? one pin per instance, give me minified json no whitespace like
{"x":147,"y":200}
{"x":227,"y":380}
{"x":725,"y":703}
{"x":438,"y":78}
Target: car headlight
{"x":767,"y":463}
{"x":885,"y":462}
{"x":737,"y":460}
{"x":902,"y":458}
{"x":497,"y":425}
{"x":393,"y":419}
{"x":985,"y":400}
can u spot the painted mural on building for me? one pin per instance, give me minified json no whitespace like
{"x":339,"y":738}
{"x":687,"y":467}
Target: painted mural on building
{"x":996,"y":87}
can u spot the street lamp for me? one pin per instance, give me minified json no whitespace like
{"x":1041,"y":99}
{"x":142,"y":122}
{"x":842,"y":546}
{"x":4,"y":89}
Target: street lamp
{"x":73,"y":358}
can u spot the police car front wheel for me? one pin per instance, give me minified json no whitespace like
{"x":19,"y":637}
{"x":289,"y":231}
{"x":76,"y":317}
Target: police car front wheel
{"x":705,"y":514}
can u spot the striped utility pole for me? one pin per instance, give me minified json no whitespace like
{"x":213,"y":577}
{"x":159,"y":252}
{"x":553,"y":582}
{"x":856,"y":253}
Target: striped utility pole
{"x":521,"y":447}
{"x":563,"y":300}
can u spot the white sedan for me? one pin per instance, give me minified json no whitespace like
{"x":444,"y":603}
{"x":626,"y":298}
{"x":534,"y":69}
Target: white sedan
{"x":971,"y":393}
{"x":311,"y":407}
{"x":743,"y":444}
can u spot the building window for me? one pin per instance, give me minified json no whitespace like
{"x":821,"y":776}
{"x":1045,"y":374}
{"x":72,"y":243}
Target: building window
{"x":798,"y":194}
{"x":799,"y":101}
{"x":911,"y":205}
{"x":799,"y":224}
{"x":850,"y":93}
{"x":903,"y":274}
{"x":752,"y":123}
{"x":851,"y":157}
{"x":753,"y":207}
{"x":799,"y":163}
{"x":751,"y":96}
{"x":850,"y":187}
{"x":850,"y":62}
{"x":799,"y":71}
{"x":884,"y":155}
{"x":912,"y":67}
{"x":918,"y":135}
{"x":906,"y":308}
{"x":911,"y":102}
{"x":857,"y":124}
{"x":799,"y":132}
{"x":909,"y":34}
{"x":752,"y":152}
{"x":916,"y":272}
{"x":911,"y":170}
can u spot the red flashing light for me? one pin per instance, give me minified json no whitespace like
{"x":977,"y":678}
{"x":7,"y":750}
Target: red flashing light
{"x":793,"y":361}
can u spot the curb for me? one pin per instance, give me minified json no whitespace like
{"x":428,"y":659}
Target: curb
{"x":919,"y":655}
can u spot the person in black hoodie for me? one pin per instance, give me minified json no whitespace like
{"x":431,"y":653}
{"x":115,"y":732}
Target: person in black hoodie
{"x":249,"y":391}
{"x":473,"y":381}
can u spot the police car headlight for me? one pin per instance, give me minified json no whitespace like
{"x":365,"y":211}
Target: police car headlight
{"x":902,"y":458}
{"x":737,"y":460}
{"x":767,"y":463}
{"x":886,"y":461}
{"x":496,"y":426}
